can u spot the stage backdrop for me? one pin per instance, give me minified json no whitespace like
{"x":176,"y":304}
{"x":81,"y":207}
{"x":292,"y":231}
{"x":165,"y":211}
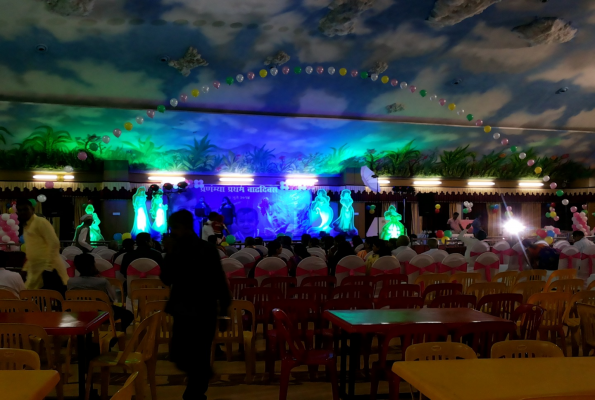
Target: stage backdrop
{"x":250,"y":210}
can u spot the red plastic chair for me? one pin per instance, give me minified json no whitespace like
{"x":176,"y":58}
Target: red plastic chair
{"x":409,"y":334}
{"x":500,"y":305}
{"x":264,"y":300}
{"x":358,"y":280}
{"x":316,"y":293}
{"x":480,"y":336}
{"x":401,"y":290}
{"x":530,"y":316}
{"x":390,"y":279}
{"x":236,"y":285}
{"x":328,"y":282}
{"x":454,"y":301}
{"x":294,"y":354}
{"x":441,"y":289}
{"x":282,"y":283}
{"x":353,"y":292}
{"x":395,"y":303}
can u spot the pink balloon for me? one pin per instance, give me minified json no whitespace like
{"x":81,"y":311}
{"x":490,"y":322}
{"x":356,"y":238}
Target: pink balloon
{"x":479,"y":122}
{"x":285,"y":70}
{"x":557,"y":231}
{"x":530,"y":162}
{"x":556,"y":218}
{"x":504,"y":142}
{"x":509,"y":208}
{"x":442,"y":102}
{"x":412,"y":89}
{"x":183,"y":97}
{"x":354,"y":73}
{"x":117,"y":133}
{"x":553,"y":185}
{"x":216,"y":84}
{"x":81,"y":156}
{"x":49,"y":185}
{"x":573,"y":210}
{"x":394,"y":82}
{"x":150,"y":114}
{"x":320,"y":70}
{"x":250,"y":75}
{"x":584,"y":206}
{"x":14,"y":216}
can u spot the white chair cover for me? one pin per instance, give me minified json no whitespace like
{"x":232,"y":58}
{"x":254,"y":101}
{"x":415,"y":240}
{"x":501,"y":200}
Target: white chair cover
{"x":245,"y":258}
{"x":587,"y":264}
{"x":513,"y":261}
{"x":386,"y":266}
{"x":105,"y":268}
{"x":560,"y":244}
{"x":420,"y":264}
{"x":438,"y":255}
{"x":229,"y":250}
{"x":311,"y":266}
{"x":99,"y":249}
{"x":567,"y":254}
{"x":270,"y":266}
{"x":106,"y":254}
{"x":284,"y":256}
{"x":404,"y":257}
{"x":453,"y":263}
{"x":253,"y":252}
{"x":222,"y":254}
{"x":349,"y":266}
{"x":317,"y":251}
{"x":477,"y":249}
{"x":359,"y":248}
{"x":502,"y":246}
{"x":71,"y":251}
{"x":142,"y":268}
{"x":262,"y":248}
{"x":233,"y":268}
{"x":370,"y":254}
{"x":287,"y":252}
{"x":488,"y":265}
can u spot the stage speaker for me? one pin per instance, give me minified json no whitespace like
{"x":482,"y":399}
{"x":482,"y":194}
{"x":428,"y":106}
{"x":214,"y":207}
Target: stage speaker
{"x":52,"y":207}
{"x":426,"y":203}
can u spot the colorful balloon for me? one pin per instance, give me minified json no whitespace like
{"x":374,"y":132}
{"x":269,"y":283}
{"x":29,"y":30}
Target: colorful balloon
{"x":363,"y":75}
{"x":195,"y":93}
{"x":549,"y":240}
{"x":522,"y":156}
{"x":530,"y":163}
{"x":217,"y":85}
{"x":560,"y":193}
{"x":479,"y":122}
{"x":285,"y":70}
{"x":117,"y":134}
{"x":385,"y":79}
{"x":584,"y":206}
{"x":82,"y":155}
{"x":274,"y":71}
{"x":140,"y":120}
{"x":437,"y":206}
{"x":538,"y":170}
{"x":150,"y":113}
{"x":128,"y":126}
{"x":565,"y":202}
{"x":263,"y":73}
{"x":297,"y":70}
{"x":183,"y":97}
{"x":573,"y":209}
{"x":553,"y":214}
{"x":393,"y":82}
{"x":319,"y":70}
{"x":250,"y":75}
{"x":331,"y":70}
{"x":309,"y":70}
{"x":452,"y":106}
{"x":229,"y":80}
{"x":496,"y":136}
{"x":442,"y":102}
{"x":343,"y":72}
{"x":403,"y":85}
{"x":469,"y":117}
{"x":504,"y":142}
{"x":412,"y":88}
{"x":513,"y":149}
{"x":105,"y":139}
{"x":487,"y":129}
{"x":373,"y":77}
{"x":354,"y":73}
{"x":423,"y":93}
{"x":239,"y":78}
{"x":439,"y":234}
{"x":173,"y":102}
{"x":161,"y":109}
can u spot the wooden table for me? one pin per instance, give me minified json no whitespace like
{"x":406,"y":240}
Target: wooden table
{"x":27,"y":385}
{"x":64,"y":324}
{"x":355,"y":323}
{"x":500,"y":379}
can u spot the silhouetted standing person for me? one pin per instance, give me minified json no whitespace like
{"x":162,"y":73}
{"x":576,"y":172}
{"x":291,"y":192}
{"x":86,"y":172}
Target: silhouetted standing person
{"x":199,"y":293}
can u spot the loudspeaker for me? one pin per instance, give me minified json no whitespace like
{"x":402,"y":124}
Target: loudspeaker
{"x":426,"y":203}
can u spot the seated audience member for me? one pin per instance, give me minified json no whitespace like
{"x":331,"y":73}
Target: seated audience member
{"x":219,"y":227}
{"x":469,"y":242}
{"x":127,"y":247}
{"x":113,"y":245}
{"x":580,"y":241}
{"x":306,"y":239}
{"x":402,"y":244}
{"x":433,"y":245}
{"x":11,"y":281}
{"x":380,"y":248}
{"x":157,"y":246}
{"x":392,"y":244}
{"x":143,"y":250}
{"x":356,"y":241}
{"x":214,"y":240}
{"x":258,"y":241}
{"x":250,"y":243}
{"x":542,"y":256}
{"x":275,"y":248}
{"x":336,"y":242}
{"x":413,"y":240}
{"x":314,"y":243}
{"x":207,"y":229}
{"x":327,"y":243}
{"x":367,"y":248}
{"x":286,"y":242}
{"x":82,"y":234}
{"x":344,"y":249}
{"x":300,"y":252}
{"x":91,"y":280}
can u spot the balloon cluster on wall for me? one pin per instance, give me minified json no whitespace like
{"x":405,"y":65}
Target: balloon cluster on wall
{"x":495,"y":208}
{"x":468,"y":207}
{"x":437,"y":208}
{"x":548,"y":233}
{"x":9,"y":228}
{"x":371,"y":209}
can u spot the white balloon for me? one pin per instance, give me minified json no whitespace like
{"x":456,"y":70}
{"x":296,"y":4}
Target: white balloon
{"x":274,"y":71}
{"x":522,"y":156}
{"x":68,"y":168}
{"x":433,"y":97}
{"x":470,"y":204}
{"x":374,"y":77}
{"x":105,"y":139}
{"x":205,"y":90}
{"x":6,"y":238}
{"x":15,"y":227}
{"x":466,"y":204}
{"x":240,"y":78}
{"x":546,"y":178}
{"x":41,"y":198}
{"x":140,"y":120}
{"x":309,"y":69}
{"x":496,"y":136}
{"x":403,"y":85}
{"x":565,"y":202}
{"x":173,"y":102}
{"x":461,"y":112}
{"x":10,"y":222}
{"x":5,"y":217}
{"x":331,"y":70}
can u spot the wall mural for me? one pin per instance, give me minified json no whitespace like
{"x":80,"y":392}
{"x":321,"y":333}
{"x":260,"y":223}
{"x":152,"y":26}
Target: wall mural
{"x":52,"y":136}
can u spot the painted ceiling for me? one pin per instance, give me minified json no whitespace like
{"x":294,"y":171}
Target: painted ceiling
{"x":103,"y":69}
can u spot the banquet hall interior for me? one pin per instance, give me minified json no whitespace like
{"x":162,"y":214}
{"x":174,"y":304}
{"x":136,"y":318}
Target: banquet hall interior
{"x":336,"y":199}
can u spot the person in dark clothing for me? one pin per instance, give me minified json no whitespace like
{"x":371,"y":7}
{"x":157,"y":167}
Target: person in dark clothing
{"x":274,"y":248}
{"x":344,"y":249}
{"x":143,"y":250}
{"x":300,"y":253}
{"x":127,"y":247}
{"x":258,"y":241}
{"x":314,"y":243}
{"x":250,"y":243}
{"x":286,"y":242}
{"x":199,"y":294}
{"x":306,"y":239}
{"x":327,"y":243}
{"x":356,"y":241}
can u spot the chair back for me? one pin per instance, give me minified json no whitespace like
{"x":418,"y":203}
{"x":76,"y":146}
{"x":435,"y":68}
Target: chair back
{"x":143,"y":339}
{"x":288,"y":253}
{"x":70,"y":252}
{"x":317,"y":252}
{"x":283,"y":283}
{"x":87,"y":295}
{"x":236,"y":326}
{"x":143,"y":296}
{"x":555,"y":305}
{"x":310,"y":267}
{"x":518,"y":260}
{"x":440,"y":289}
{"x":106,"y":254}
{"x":233,"y":268}
{"x":386,"y":265}
{"x":586,"y":266}
{"x":419,"y":265}
{"x":236,"y":285}
{"x":430,"y":279}
{"x":353,"y":292}
{"x":165,"y":331}
{"x":439,"y":351}
{"x":453,"y":263}
{"x":499,"y":305}
{"x":263,"y":299}
{"x":465,"y":278}
{"x":530,"y":317}
{"x":118,"y":261}
{"x":105,"y":268}
{"x":313,"y":293}
{"x":528,"y":288}
{"x":269,"y":267}
{"x":19,"y":359}
{"x":142,"y":268}
{"x":454,"y":301}
{"x":8,"y":295}
{"x":92,"y":306}
{"x":481,"y":289}
{"x":229,"y":250}
{"x":507,"y":277}
{"x":262,"y":248}
{"x":525,"y":349}
{"x":477,"y":249}
{"x":327,"y":282}
{"x":359,"y":248}
{"x":488,"y":265}
{"x":410,"y":335}
{"x":349,"y":266}
{"x":586,"y":313}
{"x":245,"y":258}
{"x":404,"y":257}
{"x":438,"y":256}
{"x":571,"y":286}
{"x":401,"y":290}
{"x":18,"y":336}
{"x":561,"y":274}
{"x":503,"y":251}
{"x":146,"y":284}
{"x":253,"y":252}
{"x":222,"y":254}
{"x":560,"y":244}
{"x":10,"y":305}
{"x":569,"y":258}
{"x":290,"y":341}
{"x":46,"y":300}
{"x":396,"y":303}
{"x":531,"y":275}
{"x":481,"y":336}
{"x":349,"y":304}
{"x":126,"y":392}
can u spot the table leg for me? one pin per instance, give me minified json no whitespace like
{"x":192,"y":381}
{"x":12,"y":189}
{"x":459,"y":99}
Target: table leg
{"x":354,"y":364}
{"x":343,"y":372}
{"x":83,"y":362}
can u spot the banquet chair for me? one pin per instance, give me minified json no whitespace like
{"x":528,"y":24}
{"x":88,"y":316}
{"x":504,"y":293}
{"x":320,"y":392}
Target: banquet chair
{"x":439,"y":256}
{"x":440,"y":289}
{"x":571,"y":317}
{"x":531,"y":275}
{"x":87,"y":295}
{"x":571,"y":286}
{"x":134,"y":357}
{"x":359,"y":280}
{"x":401,"y":290}
{"x":353,"y":292}
{"x":106,"y":254}
{"x":465,"y":278}
{"x":281,"y":283}
{"x":236,"y":285}
{"x":7,"y":306}
{"x":314,"y":293}
{"x":560,"y":244}
{"x":118,"y":287}
{"x":586,"y":266}
{"x":525,"y":349}
{"x":235,"y":333}
{"x":426,"y":280}
{"x":70,"y":252}
{"x":420,"y":265}
{"x":384,"y":267}
{"x":408,"y":335}
{"x":147,"y":284}
{"x":125,"y":393}
{"x":246,"y":259}
{"x":264,"y":300}
{"x":233,"y":268}
{"x":499,"y":305}
{"x":349,"y":266}
{"x":142,"y":268}
{"x":586,"y":314}
{"x":396,"y":303}
{"x":528,"y":288}
{"x":229,"y":250}
{"x":287,"y":252}
{"x":404,"y":258}
{"x":8,"y":295}
{"x":143,"y":296}
{"x":488,"y":265}
{"x":507,"y":277}
{"x":328,"y":282}
{"x":253,"y":252}
{"x":453,"y":264}
{"x":528,"y":317}
{"x":47,"y":300}
{"x":284,"y":257}
{"x":555,"y":305}
{"x":569,"y":258}
{"x":484,"y":288}
{"x":591,"y":286}
{"x":294,"y":353}
{"x":481,"y":336}
{"x":518,"y":260}
{"x":358,"y":248}
{"x":165,"y":331}
{"x":478,"y":249}
{"x":262,"y":248}
{"x":270,"y":266}
{"x":310,"y":267}
{"x":454,"y":301}
{"x":560,"y":274}
{"x":503,"y":251}
{"x":222,"y":254}
{"x":19,"y":359}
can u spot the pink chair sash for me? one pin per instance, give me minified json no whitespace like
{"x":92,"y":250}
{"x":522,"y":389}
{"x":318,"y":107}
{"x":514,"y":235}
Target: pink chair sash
{"x":109,"y":273}
{"x":299,"y":271}
{"x":589,"y":257}
{"x":70,"y":270}
{"x":410,"y":269}
{"x":445,"y":268}
{"x":474,"y":254}
{"x":249,"y":266}
{"x":134,"y":272}
{"x":487,"y":268}
{"x":277,"y":272}
{"x":376,"y":271}
{"x":341,"y":269}
{"x":501,"y":254}
{"x":520,"y":256}
{"x":240,"y":273}
{"x":569,"y":258}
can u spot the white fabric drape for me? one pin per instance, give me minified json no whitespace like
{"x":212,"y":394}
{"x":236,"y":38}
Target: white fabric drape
{"x":416,"y":220}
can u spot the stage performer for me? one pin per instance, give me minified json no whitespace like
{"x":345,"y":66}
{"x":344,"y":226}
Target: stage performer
{"x":159,"y":214}
{"x":321,"y":208}
{"x":94,"y":229}
{"x":345,"y":223}
{"x":393,"y":228}
{"x":141,"y":218}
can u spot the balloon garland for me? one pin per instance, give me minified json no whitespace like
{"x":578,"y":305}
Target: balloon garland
{"x":263,"y":73}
